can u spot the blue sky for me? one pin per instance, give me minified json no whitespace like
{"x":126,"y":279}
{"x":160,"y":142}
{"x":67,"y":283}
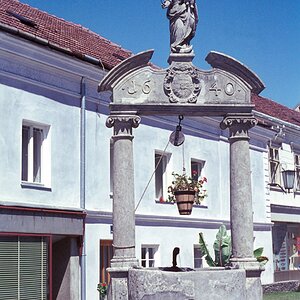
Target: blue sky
{"x":262,"y":34}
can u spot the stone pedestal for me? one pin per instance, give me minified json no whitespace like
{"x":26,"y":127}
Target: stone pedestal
{"x":181,"y":57}
{"x":123,"y":203}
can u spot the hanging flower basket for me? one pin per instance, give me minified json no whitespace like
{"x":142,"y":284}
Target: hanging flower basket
{"x":186,"y":192}
{"x":185,"y":201}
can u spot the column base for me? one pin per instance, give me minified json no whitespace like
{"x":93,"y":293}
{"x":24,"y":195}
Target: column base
{"x":123,"y":262}
{"x":253,"y":271}
{"x":118,"y":287}
{"x":250,"y":264}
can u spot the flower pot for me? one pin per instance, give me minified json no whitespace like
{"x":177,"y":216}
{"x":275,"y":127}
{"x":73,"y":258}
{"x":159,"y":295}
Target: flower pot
{"x":185,"y":201}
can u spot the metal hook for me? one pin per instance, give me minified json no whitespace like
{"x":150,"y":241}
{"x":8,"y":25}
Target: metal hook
{"x":180,"y":117}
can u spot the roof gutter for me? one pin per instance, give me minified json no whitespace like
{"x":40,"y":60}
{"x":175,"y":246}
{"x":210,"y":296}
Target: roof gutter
{"x":276,"y":120}
{"x":44,"y":42}
{"x":82,"y":181}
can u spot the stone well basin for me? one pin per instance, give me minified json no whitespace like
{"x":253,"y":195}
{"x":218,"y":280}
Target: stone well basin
{"x":210,"y":284}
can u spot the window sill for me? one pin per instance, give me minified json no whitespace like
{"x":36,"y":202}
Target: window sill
{"x":164,"y":202}
{"x":172,"y":203}
{"x":275,"y":188}
{"x":35,"y":186}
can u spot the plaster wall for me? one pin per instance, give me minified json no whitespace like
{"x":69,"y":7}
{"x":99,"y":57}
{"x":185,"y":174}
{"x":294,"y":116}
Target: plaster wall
{"x":211,"y":151}
{"x":259,"y":187}
{"x":264,"y":239}
{"x":93,"y":234}
{"x":170,"y":237}
{"x":66,"y":279}
{"x":214,"y":152}
{"x":17,"y":105}
{"x":97,"y":163}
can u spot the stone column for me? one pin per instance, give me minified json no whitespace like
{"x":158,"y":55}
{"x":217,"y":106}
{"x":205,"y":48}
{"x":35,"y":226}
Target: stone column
{"x":241,"y":210}
{"x":123,"y":203}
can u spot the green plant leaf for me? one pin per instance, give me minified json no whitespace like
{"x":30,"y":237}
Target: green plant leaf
{"x":210,"y":261}
{"x":204,"y":250}
{"x":222,"y":247}
{"x":203,"y":247}
{"x":258,"y":252}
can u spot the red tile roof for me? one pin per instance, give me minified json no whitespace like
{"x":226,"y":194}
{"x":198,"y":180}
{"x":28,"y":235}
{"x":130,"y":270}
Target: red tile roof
{"x":76,"y":39}
{"x":276,"y":110}
{"x":79,"y":41}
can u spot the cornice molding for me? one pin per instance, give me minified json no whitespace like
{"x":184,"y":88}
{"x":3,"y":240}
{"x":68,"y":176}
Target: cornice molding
{"x":99,"y":217}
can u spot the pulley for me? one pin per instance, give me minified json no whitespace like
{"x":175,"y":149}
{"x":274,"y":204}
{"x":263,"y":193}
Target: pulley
{"x":177,"y":137}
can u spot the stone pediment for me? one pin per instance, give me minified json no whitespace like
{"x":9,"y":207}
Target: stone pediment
{"x":137,"y":86}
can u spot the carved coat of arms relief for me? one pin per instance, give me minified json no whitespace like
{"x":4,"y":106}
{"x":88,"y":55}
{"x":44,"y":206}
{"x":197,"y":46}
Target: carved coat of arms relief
{"x":182,"y":83}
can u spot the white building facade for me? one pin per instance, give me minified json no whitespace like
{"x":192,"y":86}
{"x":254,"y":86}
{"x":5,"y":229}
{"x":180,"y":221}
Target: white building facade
{"x":55,"y":192}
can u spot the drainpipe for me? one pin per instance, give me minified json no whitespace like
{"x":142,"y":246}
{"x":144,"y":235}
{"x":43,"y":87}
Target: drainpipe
{"x":82,"y":182}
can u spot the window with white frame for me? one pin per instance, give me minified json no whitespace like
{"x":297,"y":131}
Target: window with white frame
{"x":196,"y":168}
{"x":297,"y":169}
{"x":149,"y":256}
{"x":161,"y":162}
{"x":197,"y":256}
{"x":35,"y":154}
{"x":274,"y":164}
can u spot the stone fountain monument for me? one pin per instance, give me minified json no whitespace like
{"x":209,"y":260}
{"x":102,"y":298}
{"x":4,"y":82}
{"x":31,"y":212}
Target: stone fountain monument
{"x":182,"y":89}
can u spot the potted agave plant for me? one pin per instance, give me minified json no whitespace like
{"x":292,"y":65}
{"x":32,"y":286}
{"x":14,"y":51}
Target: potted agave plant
{"x":186,"y":192}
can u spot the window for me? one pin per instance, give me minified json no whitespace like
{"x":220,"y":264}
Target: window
{"x":24,"y":268}
{"x":148,"y":257}
{"x":196,"y":168}
{"x":106,"y":254}
{"x":161,"y":162}
{"x":285,"y":238}
{"x":274,"y":166}
{"x":297,"y":169}
{"x":197,"y":257}
{"x":35,"y":150}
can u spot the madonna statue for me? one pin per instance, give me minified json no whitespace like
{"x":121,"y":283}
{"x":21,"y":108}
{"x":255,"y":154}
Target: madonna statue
{"x":183,"y":16}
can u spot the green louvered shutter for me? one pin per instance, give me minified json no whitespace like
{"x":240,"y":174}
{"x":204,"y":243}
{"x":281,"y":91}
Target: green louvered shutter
{"x":33,"y":269}
{"x":8,"y":268}
{"x":23,"y":268}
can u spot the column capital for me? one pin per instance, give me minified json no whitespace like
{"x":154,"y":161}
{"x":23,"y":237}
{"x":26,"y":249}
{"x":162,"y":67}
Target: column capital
{"x":123,"y":123}
{"x":238,"y":125}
